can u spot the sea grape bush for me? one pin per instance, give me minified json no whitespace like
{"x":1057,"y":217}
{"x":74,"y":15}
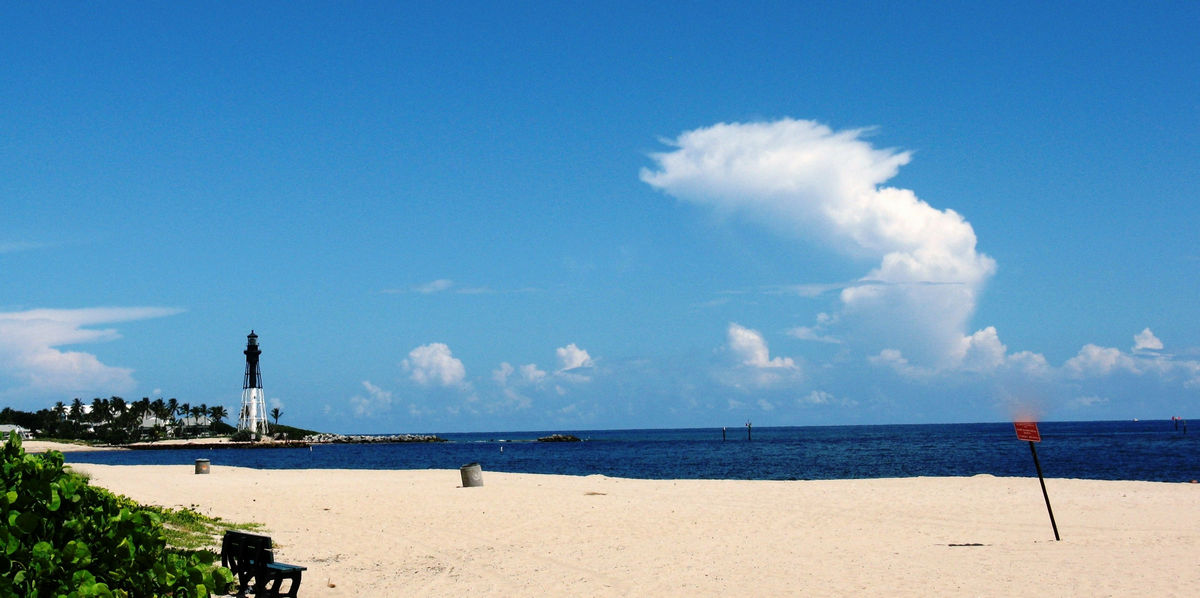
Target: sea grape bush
{"x":63,"y":537}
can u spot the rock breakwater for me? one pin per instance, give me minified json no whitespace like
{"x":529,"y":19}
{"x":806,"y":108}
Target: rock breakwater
{"x":366,"y":439}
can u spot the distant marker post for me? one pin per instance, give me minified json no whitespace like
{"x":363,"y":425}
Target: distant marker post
{"x":1029,"y":431}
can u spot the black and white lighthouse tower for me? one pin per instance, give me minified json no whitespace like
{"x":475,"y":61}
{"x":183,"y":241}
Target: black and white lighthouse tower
{"x":253,"y":416}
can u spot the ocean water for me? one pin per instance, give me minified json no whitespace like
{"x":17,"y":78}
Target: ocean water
{"x":1147,"y":450}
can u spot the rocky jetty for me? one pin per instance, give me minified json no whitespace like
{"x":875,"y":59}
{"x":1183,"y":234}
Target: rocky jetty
{"x":365,"y":439}
{"x":559,"y":438}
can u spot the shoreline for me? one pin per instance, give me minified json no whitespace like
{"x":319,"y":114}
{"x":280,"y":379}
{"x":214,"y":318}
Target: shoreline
{"x":386,"y":532}
{"x":42,"y":446}
{"x":35,"y":447}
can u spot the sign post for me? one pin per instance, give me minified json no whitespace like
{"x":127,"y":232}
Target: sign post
{"x":1029,"y":431}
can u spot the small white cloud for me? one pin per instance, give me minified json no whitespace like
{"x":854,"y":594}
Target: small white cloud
{"x":276,"y":403}
{"x":1094,"y":360}
{"x":376,"y":400}
{"x":811,"y":290}
{"x":810,"y":334}
{"x":530,"y":372}
{"x":750,"y":349}
{"x":501,"y":373}
{"x":894,"y":359}
{"x":1146,"y":341}
{"x":766,"y":405}
{"x":434,"y":365}
{"x":437,"y":286}
{"x":816,"y":397}
{"x":17,"y":246}
{"x":754,"y":367}
{"x":1088,"y":401}
{"x":527,"y":374}
{"x":515,"y":400}
{"x":572,"y":357}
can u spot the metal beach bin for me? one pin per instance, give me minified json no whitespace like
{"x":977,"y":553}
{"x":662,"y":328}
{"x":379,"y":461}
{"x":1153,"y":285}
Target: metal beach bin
{"x":472,"y":475}
{"x":201,"y":465}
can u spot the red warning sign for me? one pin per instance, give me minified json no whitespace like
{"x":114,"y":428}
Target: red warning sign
{"x":1027,"y":431}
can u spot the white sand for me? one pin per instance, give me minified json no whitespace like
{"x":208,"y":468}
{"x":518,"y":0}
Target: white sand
{"x":41,"y":446}
{"x":392,"y":533}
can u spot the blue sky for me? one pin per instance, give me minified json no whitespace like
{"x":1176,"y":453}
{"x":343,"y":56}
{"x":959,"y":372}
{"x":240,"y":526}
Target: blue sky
{"x":488,"y":217}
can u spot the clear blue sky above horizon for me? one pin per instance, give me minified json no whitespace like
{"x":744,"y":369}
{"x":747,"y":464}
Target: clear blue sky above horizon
{"x":630,"y":215}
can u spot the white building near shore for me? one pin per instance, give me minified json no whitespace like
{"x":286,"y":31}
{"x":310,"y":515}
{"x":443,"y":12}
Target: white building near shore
{"x":23,"y":433}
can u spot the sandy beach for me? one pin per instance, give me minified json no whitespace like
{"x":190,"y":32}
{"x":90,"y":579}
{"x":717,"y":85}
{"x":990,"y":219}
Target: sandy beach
{"x":389,"y":533}
{"x":41,"y":446}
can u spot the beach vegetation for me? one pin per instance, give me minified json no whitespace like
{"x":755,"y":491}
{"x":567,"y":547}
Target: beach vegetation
{"x":116,"y":421}
{"x":63,"y":537}
{"x":222,"y":429}
{"x":291,"y":431}
{"x":190,"y":531}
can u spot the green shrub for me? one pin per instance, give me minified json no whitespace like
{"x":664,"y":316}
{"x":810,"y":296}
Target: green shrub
{"x":65,"y":538}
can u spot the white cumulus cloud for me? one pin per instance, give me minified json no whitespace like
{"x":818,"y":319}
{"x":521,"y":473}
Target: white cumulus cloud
{"x":753,"y":367}
{"x":1146,"y":341}
{"x":1093,"y":360}
{"x":572,"y":357}
{"x":750,"y":349}
{"x":806,"y":180}
{"x":29,"y":352}
{"x":434,"y":365}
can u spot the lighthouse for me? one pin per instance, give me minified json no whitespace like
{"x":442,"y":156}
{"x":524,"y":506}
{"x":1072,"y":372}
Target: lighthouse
{"x":253,"y":415}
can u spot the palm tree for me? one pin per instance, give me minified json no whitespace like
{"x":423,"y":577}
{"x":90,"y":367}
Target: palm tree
{"x":158,"y":408}
{"x":183,"y":409}
{"x":99,"y":414}
{"x":195,"y":413}
{"x":76,"y":415}
{"x":60,"y":414}
{"x":275,"y":414}
{"x":118,"y":406}
{"x":217,"y":413}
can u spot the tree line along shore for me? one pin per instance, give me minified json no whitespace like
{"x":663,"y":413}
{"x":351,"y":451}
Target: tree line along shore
{"x":146,"y":423}
{"x":115,"y":421}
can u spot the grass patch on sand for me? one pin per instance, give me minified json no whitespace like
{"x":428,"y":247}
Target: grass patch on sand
{"x":191,"y":532}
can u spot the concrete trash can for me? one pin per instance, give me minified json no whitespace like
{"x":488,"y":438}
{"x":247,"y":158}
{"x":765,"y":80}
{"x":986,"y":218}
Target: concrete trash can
{"x":472,"y":475}
{"x":201,"y":465}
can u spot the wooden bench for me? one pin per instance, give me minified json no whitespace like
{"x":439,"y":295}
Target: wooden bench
{"x":252,"y":561}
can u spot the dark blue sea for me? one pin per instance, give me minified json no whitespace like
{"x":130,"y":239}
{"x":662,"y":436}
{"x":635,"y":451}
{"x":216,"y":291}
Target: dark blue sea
{"x":1127,"y":450}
